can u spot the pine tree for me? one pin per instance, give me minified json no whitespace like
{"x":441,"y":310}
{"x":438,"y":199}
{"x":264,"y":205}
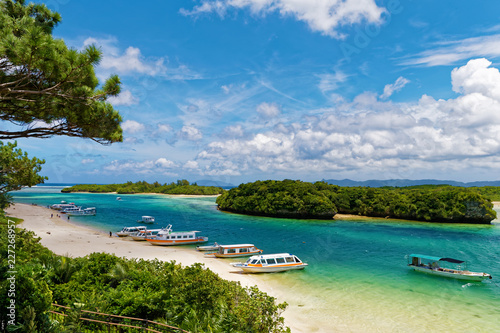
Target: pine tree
{"x":47,"y":88}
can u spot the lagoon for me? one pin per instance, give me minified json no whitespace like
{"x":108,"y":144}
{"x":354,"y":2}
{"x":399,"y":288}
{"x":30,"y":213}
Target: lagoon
{"x":357,"y":279}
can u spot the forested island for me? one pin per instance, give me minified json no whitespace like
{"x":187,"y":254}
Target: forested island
{"x":297,"y":199}
{"x":180,"y":187}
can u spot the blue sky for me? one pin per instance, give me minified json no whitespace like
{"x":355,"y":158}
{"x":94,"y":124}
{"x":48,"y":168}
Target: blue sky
{"x":239,"y":90}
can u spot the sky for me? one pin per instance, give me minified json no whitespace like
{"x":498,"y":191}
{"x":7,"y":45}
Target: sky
{"x":241,"y":90}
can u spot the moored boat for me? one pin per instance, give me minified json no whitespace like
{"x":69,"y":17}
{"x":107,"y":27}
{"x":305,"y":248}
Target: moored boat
{"x":147,"y":219}
{"x":127,"y":231}
{"x":79,"y":211}
{"x":212,"y":247}
{"x":167,"y":237}
{"x":271,"y":263}
{"x":142,"y":234}
{"x":63,"y":205}
{"x":235,"y":250}
{"x":441,"y":267}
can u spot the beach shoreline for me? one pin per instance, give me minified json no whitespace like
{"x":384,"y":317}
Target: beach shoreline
{"x":71,"y":239}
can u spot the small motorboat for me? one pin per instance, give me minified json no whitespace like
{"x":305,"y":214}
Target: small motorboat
{"x":271,"y":263}
{"x":235,"y":250}
{"x":212,"y":247}
{"x":127,"y":231}
{"x":439,"y":266}
{"x":167,"y":237}
{"x":147,"y":220}
{"x":142,"y":234}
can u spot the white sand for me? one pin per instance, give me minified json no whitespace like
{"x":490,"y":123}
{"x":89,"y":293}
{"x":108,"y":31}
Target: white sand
{"x":66,"y":238}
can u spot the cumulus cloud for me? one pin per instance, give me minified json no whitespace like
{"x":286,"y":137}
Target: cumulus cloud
{"x":132,"y":126}
{"x":124,"y":98}
{"x":191,"y":165}
{"x":159,"y":166}
{"x":130,"y":61}
{"x":191,"y":133}
{"x":325,"y":16}
{"x":234,"y":131}
{"x":394,"y":87}
{"x":372,"y":135}
{"x":164,"y":163}
{"x":268,"y":110}
{"x":477,"y":77}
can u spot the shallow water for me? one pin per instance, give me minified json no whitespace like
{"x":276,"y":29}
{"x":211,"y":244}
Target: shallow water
{"x":357,"y":279}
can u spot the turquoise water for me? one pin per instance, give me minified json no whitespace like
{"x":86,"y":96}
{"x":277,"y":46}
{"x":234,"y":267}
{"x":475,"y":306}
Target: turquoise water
{"x":357,"y":279}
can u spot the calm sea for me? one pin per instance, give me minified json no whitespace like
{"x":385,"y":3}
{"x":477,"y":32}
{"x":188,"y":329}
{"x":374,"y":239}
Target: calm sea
{"x":357,"y":279}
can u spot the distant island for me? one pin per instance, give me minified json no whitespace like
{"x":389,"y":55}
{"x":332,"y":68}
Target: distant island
{"x":180,"y":187}
{"x":320,"y":200}
{"x":408,"y":182}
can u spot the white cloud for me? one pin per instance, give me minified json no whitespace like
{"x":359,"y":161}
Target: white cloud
{"x":234,"y":131}
{"x":325,"y":16}
{"x":130,"y":61}
{"x":191,"y":133}
{"x":87,"y":161}
{"x":367,"y":135}
{"x":164,"y":163}
{"x":330,"y":82}
{"x":452,"y":52}
{"x":164,"y":128}
{"x":124,"y":98}
{"x":390,"y":89}
{"x":132,"y":126}
{"x":191,"y":165}
{"x":160,"y":166}
{"x":477,"y":77}
{"x":268,"y":110}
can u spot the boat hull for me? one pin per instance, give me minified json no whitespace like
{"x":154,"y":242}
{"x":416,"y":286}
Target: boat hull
{"x":171,"y":242}
{"x":270,"y":269}
{"x":208,"y":248}
{"x":138,"y":238}
{"x":454,"y":274}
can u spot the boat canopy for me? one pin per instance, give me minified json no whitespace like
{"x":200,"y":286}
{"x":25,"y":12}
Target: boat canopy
{"x":422,"y":256}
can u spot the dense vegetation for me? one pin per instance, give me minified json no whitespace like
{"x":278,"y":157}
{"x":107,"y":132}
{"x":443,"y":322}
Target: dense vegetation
{"x":298,"y":199}
{"x":275,"y":198}
{"x":490,"y":192}
{"x":181,"y":187}
{"x":192,"y":298}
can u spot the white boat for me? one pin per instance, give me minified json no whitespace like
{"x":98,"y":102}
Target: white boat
{"x":142,"y":234}
{"x":79,"y":211}
{"x":440,"y":266}
{"x":271,"y":263}
{"x":235,"y":250}
{"x":127,"y":231}
{"x":212,"y":247}
{"x":167,"y":237}
{"x":147,"y":219}
{"x":63,"y":205}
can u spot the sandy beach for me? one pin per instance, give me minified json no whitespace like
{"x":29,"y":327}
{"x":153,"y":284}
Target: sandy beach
{"x":63,"y":237}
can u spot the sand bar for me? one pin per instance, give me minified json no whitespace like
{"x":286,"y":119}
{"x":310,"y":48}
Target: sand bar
{"x":67,"y":238}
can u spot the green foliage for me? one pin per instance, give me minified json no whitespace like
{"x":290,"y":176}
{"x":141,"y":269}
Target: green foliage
{"x":42,"y":81}
{"x":490,"y":192}
{"x":193,"y":298}
{"x":320,"y":200}
{"x":288,"y":198}
{"x":181,"y":187}
{"x":16,"y":170}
